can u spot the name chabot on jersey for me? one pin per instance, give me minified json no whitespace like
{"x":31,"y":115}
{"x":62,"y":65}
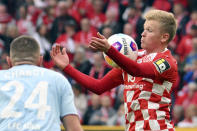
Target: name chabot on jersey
{"x":23,"y":73}
{"x":20,"y":126}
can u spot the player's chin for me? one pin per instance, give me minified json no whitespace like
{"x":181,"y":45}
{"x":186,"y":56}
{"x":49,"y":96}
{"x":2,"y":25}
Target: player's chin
{"x":143,"y":45}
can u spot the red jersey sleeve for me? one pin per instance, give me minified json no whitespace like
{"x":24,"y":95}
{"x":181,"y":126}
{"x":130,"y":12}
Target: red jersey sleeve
{"x":161,"y":67}
{"x":131,"y":67}
{"x":110,"y":80}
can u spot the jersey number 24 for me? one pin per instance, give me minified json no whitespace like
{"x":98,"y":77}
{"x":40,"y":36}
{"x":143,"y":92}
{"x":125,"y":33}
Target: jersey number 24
{"x":40,"y":90}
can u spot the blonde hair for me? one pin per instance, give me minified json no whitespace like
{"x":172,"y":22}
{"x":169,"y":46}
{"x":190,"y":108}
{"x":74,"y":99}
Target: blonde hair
{"x":166,"y":19}
{"x":24,"y":48}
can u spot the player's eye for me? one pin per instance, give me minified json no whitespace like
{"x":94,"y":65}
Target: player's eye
{"x":149,"y":30}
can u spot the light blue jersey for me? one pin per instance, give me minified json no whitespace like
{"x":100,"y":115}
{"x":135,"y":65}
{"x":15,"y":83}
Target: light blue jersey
{"x":34,"y":99}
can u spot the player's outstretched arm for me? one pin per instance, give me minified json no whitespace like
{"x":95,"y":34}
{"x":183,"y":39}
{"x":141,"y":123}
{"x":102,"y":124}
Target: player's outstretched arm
{"x":109,"y":81}
{"x":71,"y":123}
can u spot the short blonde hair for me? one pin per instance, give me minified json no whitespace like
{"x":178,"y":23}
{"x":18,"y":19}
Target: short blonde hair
{"x":24,"y":48}
{"x":166,"y":19}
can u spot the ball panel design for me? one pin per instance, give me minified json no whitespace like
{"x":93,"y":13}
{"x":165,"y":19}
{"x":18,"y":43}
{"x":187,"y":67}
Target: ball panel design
{"x":133,"y":46}
{"x":125,"y":45}
{"x":117,"y":45}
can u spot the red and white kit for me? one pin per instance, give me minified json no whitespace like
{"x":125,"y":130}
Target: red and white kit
{"x":147,"y":101}
{"x":147,"y":95}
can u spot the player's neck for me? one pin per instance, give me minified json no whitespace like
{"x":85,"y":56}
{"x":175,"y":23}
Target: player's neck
{"x":156,"y":50}
{"x":24,"y":63}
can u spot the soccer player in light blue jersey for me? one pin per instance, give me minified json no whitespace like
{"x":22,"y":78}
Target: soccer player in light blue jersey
{"x":33,"y":98}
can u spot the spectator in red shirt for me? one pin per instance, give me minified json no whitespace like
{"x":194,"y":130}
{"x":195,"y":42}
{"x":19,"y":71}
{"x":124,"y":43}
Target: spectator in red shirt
{"x":186,"y":97}
{"x":97,"y":17}
{"x":4,"y":16}
{"x":190,"y":119}
{"x":24,"y":24}
{"x":84,"y":7}
{"x":182,"y":18}
{"x":185,"y":45}
{"x":192,"y":21}
{"x":116,"y":7}
{"x":139,"y":4}
{"x":73,"y":10}
{"x":182,"y":2}
{"x":162,"y":5}
{"x":47,"y":17}
{"x":87,"y":31}
{"x":60,"y":20}
{"x":67,"y":38}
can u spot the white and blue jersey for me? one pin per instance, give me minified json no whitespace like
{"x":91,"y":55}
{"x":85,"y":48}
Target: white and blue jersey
{"x":33,"y":98}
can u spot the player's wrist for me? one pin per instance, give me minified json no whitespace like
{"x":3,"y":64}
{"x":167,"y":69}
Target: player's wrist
{"x":107,"y":49}
{"x":65,"y":68}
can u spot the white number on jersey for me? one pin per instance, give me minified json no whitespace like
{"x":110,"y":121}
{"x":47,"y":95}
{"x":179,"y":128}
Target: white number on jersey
{"x":40,"y":91}
{"x":7,"y":111}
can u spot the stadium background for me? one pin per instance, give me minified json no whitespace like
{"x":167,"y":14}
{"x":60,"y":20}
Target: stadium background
{"x":72,"y":23}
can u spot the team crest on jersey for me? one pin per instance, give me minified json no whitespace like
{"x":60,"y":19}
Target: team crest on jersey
{"x":161,"y":65}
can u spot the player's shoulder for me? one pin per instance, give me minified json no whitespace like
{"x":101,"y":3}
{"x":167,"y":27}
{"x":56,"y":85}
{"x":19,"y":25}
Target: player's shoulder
{"x":51,"y":73}
{"x":167,"y":56}
{"x":54,"y":77}
{"x":165,"y":61}
{"x":2,"y":72}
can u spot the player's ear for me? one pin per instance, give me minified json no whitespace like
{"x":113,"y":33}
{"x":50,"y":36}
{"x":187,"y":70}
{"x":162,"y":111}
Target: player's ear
{"x":165,"y":37}
{"x":9,"y":61}
{"x":40,"y":60}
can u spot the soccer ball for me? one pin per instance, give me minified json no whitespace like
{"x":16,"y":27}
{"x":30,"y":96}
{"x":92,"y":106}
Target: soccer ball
{"x":124,"y":44}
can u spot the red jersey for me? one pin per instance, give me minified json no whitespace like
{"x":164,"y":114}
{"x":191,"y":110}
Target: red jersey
{"x":147,"y":95}
{"x":147,"y":101}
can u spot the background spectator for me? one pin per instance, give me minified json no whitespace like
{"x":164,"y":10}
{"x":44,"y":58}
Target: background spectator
{"x":93,"y":106}
{"x":41,"y":35}
{"x":60,"y":20}
{"x":105,"y":113}
{"x":80,"y":100}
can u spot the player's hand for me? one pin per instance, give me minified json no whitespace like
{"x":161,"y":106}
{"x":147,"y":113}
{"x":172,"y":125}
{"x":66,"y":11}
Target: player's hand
{"x":59,"y":57}
{"x":99,"y":43}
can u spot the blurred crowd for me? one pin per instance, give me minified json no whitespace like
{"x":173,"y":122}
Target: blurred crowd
{"x":72,"y":23}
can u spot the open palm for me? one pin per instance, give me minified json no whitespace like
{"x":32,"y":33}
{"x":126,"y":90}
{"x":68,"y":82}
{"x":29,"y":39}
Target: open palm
{"x":59,"y":57}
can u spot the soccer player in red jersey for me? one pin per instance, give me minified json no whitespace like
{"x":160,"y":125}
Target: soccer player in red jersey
{"x":148,"y":81}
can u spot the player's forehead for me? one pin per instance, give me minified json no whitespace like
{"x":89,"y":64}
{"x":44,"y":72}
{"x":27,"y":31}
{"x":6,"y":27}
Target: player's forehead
{"x":151,"y":24}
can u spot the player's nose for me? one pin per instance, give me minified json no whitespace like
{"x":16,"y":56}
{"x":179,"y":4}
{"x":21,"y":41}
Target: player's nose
{"x":143,"y":34}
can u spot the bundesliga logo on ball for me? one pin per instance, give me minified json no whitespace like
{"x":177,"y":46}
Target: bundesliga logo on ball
{"x":124,"y":44}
